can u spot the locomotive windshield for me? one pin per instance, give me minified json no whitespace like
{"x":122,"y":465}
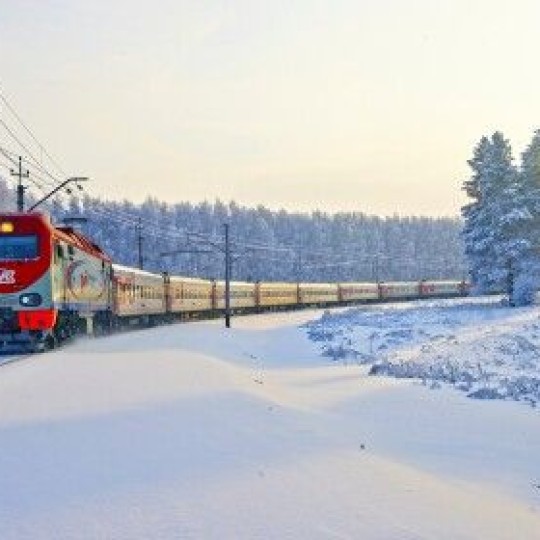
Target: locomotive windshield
{"x":16,"y":248}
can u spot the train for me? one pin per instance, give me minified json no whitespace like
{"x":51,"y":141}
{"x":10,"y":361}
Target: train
{"x":56,"y":283}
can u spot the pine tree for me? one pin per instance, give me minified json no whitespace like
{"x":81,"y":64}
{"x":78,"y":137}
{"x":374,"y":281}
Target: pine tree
{"x":501,"y":242}
{"x":528,"y":201}
{"x":492,"y":219}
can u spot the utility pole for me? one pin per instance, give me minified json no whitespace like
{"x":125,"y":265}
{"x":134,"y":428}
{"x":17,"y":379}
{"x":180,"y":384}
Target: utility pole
{"x":20,"y":188}
{"x":375,"y":267}
{"x":224,"y":248}
{"x":139,"y":243}
{"x":227,"y":278}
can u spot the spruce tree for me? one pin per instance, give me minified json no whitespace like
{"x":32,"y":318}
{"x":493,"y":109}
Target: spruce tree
{"x":528,"y":203}
{"x":494,"y":219}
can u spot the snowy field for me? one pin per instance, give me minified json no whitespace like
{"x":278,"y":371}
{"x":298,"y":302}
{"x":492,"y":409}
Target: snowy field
{"x":276,"y":429}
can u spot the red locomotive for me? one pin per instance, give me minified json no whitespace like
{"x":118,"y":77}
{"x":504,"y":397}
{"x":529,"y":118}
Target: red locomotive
{"x":53,"y":281}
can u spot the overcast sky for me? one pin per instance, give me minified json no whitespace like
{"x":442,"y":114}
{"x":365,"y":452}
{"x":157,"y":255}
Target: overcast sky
{"x":372,"y":105}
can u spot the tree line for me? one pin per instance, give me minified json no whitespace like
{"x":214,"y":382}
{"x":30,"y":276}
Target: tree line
{"x":267,"y":244}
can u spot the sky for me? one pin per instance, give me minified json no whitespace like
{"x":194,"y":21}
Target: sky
{"x":342,"y":105}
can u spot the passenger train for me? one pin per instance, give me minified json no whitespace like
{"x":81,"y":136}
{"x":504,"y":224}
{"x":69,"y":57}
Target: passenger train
{"x":55,"y":283}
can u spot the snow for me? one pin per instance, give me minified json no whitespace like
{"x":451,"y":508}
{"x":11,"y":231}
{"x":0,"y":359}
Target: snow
{"x":193,"y":431}
{"x":479,"y":346}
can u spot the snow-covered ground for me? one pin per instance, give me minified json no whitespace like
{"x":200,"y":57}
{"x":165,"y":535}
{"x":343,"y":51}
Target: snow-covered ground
{"x":190,"y":431}
{"x":477,"y":345}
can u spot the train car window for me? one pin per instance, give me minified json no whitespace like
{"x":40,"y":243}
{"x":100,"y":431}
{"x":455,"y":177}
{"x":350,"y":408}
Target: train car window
{"x":16,"y":248}
{"x":59,"y":252}
{"x":71,"y":251}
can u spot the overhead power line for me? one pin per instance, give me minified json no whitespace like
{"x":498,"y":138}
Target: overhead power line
{"x":42,"y":148}
{"x":30,"y":155}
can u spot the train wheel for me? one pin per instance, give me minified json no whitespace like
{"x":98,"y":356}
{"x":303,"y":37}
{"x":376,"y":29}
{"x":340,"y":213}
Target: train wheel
{"x":50,"y":343}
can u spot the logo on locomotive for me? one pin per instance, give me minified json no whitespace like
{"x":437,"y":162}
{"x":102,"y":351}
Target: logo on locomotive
{"x":7,"y":277}
{"x":84,"y":281}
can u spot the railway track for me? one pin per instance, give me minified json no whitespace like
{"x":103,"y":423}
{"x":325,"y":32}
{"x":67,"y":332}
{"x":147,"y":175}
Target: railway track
{"x":8,"y":358}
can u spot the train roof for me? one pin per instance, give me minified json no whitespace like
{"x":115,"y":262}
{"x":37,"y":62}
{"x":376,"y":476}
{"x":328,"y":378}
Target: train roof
{"x":317,"y":285}
{"x":278,"y":284}
{"x":400,"y":283}
{"x":186,"y":279}
{"x":358,"y":284}
{"x":134,"y":271}
{"x":75,"y":238}
{"x":442,"y":281}
{"x":221,"y":283}
{"x":67,"y":234}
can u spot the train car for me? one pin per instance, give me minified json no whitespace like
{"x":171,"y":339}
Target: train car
{"x":317,"y":293}
{"x":139,"y":296}
{"x":274,"y":294}
{"x":242,"y":295}
{"x":53,"y":282}
{"x":187,"y":295}
{"x":356,"y":292}
{"x":441,"y":289}
{"x":399,"y":290}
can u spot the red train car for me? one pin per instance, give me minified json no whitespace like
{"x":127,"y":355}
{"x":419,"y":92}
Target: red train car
{"x":53,"y":281}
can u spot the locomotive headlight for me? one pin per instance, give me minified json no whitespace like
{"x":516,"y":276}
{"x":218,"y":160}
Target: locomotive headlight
{"x":30,"y":299}
{"x":6,"y":227}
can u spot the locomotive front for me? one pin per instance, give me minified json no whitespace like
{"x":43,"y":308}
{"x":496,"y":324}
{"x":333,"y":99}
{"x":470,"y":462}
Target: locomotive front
{"x":27,"y":315}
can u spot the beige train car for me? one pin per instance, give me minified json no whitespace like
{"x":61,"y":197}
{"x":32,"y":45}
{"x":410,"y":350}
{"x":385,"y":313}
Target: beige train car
{"x":442,"y":288}
{"x":138,"y":293}
{"x":349,"y":292}
{"x":277,"y":294}
{"x":190,"y":294}
{"x":242,"y":295}
{"x":317,"y":293}
{"x":399,"y":289}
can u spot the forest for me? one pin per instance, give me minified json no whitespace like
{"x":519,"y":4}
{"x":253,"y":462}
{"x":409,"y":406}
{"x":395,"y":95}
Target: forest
{"x":187,"y":239}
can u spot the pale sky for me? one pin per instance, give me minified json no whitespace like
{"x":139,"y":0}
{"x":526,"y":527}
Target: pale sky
{"x":340,"y":105}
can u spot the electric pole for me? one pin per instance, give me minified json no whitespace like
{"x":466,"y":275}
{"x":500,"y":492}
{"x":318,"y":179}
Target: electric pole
{"x":20,"y":174}
{"x":227,"y":278}
{"x":225,"y":249}
{"x":140,"y":243}
{"x":299,"y":264}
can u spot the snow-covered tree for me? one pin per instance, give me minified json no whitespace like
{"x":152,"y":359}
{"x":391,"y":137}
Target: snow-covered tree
{"x":498,"y":221}
{"x":528,"y":201}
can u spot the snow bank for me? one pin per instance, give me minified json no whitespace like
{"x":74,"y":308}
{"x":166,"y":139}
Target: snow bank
{"x":478,"y":346}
